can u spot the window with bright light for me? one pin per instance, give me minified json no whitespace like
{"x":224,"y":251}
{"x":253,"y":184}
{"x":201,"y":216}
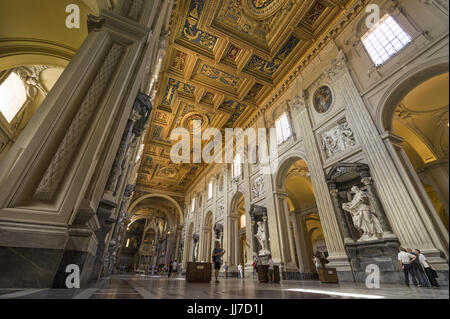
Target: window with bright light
{"x":210,"y":190}
{"x":242,"y":221}
{"x":283,"y":128}
{"x":385,"y":39}
{"x":12,"y":96}
{"x":237,"y":166}
{"x":193,"y":205}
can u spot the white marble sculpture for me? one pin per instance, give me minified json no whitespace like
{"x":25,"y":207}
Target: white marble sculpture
{"x":261,"y":235}
{"x":196,"y":251}
{"x":364,"y":218}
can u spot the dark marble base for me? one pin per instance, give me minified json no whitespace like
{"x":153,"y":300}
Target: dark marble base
{"x":293,"y":275}
{"x":443,"y":277}
{"x":345,"y":276}
{"x":89,"y":269}
{"x":28,"y":267}
{"x":382,"y":253}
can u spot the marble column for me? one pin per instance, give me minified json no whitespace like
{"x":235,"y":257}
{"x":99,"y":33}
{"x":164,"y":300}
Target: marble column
{"x":302,"y":242}
{"x":337,"y":255}
{"x":287,"y":249}
{"x":436,"y":174}
{"x":52,"y":179}
{"x":413,"y":228}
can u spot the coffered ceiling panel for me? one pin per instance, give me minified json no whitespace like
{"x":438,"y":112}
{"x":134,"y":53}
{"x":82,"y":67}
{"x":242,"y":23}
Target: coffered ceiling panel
{"x":224,"y":59}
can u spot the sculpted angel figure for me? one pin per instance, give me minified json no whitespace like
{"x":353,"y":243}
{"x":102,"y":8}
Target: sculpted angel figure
{"x":364,"y":218}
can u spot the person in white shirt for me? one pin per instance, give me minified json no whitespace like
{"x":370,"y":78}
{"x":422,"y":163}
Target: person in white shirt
{"x":429,"y":270}
{"x":241,"y":275}
{"x":405,"y":260}
{"x":270,"y":272}
{"x":174,"y":267}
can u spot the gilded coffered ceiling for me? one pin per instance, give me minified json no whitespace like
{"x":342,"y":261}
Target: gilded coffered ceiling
{"x":224,"y":59}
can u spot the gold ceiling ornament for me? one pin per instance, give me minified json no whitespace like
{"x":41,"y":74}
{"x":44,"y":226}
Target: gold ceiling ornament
{"x":188,"y":121}
{"x":261,"y":9}
{"x":169,"y":171}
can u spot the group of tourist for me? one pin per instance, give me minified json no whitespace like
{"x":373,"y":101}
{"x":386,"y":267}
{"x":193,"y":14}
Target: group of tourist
{"x":416,"y":265}
{"x":217,"y":254}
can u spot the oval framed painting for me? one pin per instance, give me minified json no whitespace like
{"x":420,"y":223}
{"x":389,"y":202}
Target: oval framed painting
{"x":322,"y":100}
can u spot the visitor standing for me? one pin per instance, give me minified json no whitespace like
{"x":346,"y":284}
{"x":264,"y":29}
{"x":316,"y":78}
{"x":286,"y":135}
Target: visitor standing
{"x":418,"y":270}
{"x":217,"y":259}
{"x":170,"y":269}
{"x":316,"y":261}
{"x":255,"y":265}
{"x":270,"y":271}
{"x":174,"y":267}
{"x":241,"y":275}
{"x":405,"y":262}
{"x":429,"y":269}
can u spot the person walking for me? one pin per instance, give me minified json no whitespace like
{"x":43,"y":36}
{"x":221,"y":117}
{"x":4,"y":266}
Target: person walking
{"x":225,"y":269}
{"x":169,"y":269}
{"x":429,"y":269}
{"x":404,"y":259}
{"x":217,"y":259}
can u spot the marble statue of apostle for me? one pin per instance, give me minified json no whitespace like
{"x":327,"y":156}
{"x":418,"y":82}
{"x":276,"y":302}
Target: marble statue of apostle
{"x":364,"y":218}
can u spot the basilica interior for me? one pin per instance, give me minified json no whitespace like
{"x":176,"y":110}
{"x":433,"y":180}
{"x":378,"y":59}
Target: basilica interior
{"x":93,"y":93}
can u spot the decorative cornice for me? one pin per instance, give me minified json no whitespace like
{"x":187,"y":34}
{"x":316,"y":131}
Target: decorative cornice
{"x":339,"y":26}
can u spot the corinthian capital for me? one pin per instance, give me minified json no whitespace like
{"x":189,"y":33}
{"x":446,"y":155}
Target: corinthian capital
{"x":299,"y":102}
{"x":338,"y":67}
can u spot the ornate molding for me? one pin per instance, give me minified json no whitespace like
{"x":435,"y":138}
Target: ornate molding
{"x":55,"y":172}
{"x":338,"y":67}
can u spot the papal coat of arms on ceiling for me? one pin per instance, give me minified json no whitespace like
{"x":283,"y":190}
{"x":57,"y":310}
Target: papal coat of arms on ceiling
{"x":262,"y":9}
{"x":323,"y":98}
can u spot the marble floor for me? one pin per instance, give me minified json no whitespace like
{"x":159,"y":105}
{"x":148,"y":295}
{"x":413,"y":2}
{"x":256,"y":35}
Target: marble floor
{"x":156,"y":287}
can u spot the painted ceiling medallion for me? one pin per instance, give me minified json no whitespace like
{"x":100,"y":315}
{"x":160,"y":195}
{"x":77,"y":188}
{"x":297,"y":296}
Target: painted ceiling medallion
{"x":262,"y":9}
{"x":323,"y":98}
{"x":188,"y":121}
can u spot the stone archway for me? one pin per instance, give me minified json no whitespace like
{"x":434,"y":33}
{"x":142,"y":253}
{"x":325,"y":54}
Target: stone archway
{"x":169,"y":198}
{"x":414,"y":113}
{"x":207,"y":238}
{"x":299,"y":217}
{"x":233,"y":250}
{"x":188,"y":244}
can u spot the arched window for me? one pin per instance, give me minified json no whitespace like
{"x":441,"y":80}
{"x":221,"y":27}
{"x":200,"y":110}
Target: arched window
{"x":193,"y":204}
{"x":210,"y":190}
{"x":242,"y":221}
{"x":385,"y":39}
{"x":237,"y":166}
{"x":283,"y":128}
{"x":12,"y":96}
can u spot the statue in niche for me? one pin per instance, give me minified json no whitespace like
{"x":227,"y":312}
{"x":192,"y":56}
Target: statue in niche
{"x":261,"y":235}
{"x":364,"y":218}
{"x":196,"y":250}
